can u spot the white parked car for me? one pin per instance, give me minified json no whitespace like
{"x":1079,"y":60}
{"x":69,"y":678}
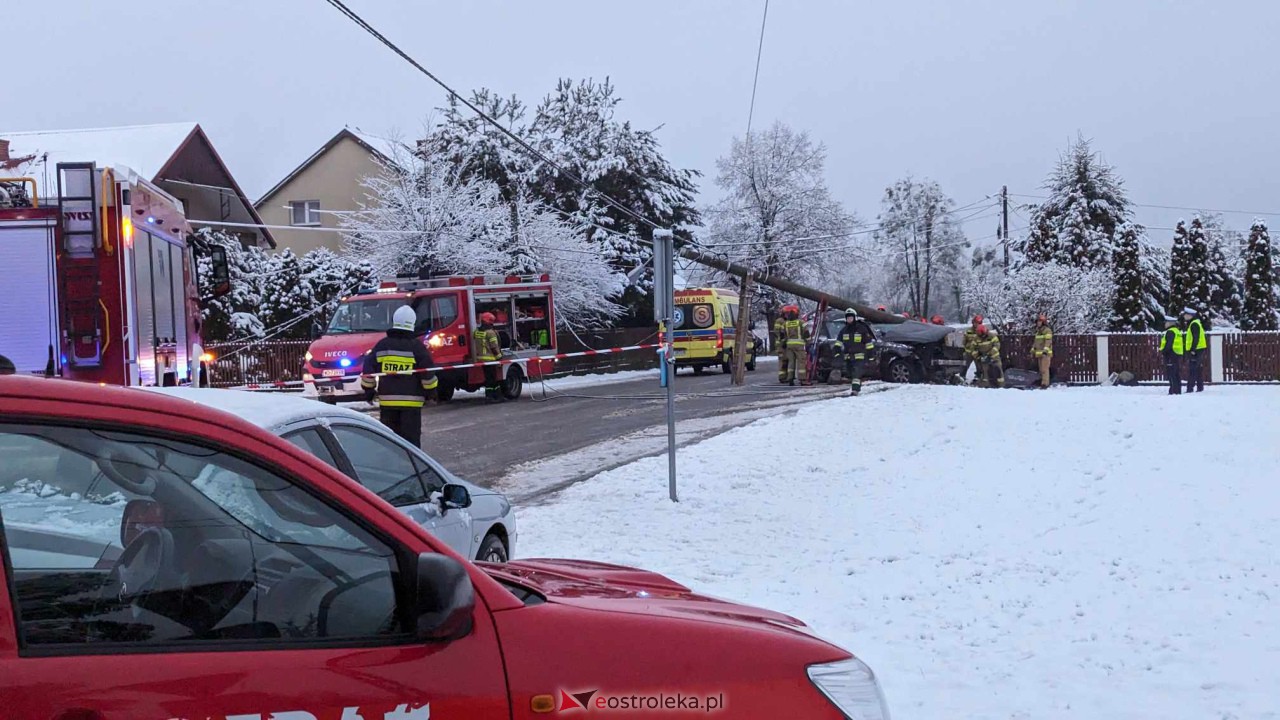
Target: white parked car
{"x":476,"y":522}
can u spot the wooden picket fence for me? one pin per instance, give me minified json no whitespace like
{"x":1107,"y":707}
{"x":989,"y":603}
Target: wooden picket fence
{"x":1232,"y":357}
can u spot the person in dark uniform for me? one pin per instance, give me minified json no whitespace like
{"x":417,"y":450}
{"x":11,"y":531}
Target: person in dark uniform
{"x":402,"y":393}
{"x":1171,"y":349}
{"x":1194,"y":344}
{"x":857,"y":341}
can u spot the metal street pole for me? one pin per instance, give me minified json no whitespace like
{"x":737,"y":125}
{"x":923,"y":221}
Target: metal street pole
{"x":664,"y":309}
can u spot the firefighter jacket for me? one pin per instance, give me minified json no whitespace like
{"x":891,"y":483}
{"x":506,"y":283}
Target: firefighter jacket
{"x":971,"y":344}
{"x":1195,"y":340}
{"x":485,"y":344}
{"x":987,"y":347}
{"x":1172,"y":343}
{"x":794,"y":332}
{"x":1043,"y":344}
{"x":856,"y":340}
{"x":779,"y":333}
{"x":399,"y":352}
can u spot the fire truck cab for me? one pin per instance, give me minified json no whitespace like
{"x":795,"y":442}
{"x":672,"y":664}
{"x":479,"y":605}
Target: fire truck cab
{"x":447,"y":310}
{"x":99,"y":282}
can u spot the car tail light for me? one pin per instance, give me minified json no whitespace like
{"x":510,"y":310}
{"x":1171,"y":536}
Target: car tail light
{"x":719,"y":338}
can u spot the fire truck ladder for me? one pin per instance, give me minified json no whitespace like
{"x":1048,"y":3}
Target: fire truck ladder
{"x":80,"y":289}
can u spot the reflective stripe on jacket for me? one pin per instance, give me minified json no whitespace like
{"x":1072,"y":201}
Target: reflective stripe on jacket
{"x":1043,"y":344}
{"x":487,"y":346}
{"x":399,"y":352}
{"x":1195,"y":336}
{"x":1172,"y":342}
{"x":795,"y":331}
{"x":856,"y":339}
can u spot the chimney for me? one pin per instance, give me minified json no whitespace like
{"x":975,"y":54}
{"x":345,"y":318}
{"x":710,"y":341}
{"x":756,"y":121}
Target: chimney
{"x":4,"y":150}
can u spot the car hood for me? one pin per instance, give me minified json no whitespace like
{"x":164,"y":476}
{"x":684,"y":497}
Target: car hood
{"x":334,"y":347}
{"x":623,"y":589}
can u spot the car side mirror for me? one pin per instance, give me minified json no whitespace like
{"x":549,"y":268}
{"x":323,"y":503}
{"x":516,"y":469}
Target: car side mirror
{"x":454,"y":496}
{"x":444,"y":599}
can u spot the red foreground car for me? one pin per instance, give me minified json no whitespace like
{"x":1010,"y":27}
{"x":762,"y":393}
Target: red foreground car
{"x":165,"y":561}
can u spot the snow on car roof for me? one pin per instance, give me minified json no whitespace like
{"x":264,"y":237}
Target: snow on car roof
{"x":268,"y":411}
{"x":145,"y":149}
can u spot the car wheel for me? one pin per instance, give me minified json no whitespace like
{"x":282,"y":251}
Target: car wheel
{"x":328,"y":400}
{"x":444,"y":393}
{"x":492,"y":550}
{"x":824,"y":376}
{"x":513,"y":386}
{"x":901,"y":371}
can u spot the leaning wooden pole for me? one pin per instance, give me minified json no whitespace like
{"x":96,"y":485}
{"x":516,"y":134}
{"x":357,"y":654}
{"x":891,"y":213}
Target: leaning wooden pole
{"x":785,"y":285}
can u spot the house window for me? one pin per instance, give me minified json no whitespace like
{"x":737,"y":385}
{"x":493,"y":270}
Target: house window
{"x":304,"y":212}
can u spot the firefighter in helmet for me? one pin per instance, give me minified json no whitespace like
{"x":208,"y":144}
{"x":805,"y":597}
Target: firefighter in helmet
{"x":794,"y":336}
{"x":1042,"y":348}
{"x":856,"y":340}
{"x":780,"y":342}
{"x":971,"y":339}
{"x":488,"y":348}
{"x":396,"y":371}
{"x":987,"y":351}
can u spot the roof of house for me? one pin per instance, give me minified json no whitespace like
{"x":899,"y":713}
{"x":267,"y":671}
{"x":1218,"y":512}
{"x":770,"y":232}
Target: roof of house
{"x":149,"y":150}
{"x":383,"y":148}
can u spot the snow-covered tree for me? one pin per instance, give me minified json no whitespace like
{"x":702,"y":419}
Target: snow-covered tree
{"x":578,"y":129}
{"x":1184,"y":270}
{"x":1260,"y":304}
{"x":1076,"y":225}
{"x":419,"y":218}
{"x":424,"y":218}
{"x":1226,"y":292}
{"x":279,"y":295}
{"x":1137,"y":269}
{"x":777,"y":215}
{"x":921,"y":242}
{"x":1075,"y":300}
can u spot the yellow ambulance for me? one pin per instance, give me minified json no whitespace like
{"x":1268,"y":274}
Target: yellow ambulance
{"x":705,"y":322}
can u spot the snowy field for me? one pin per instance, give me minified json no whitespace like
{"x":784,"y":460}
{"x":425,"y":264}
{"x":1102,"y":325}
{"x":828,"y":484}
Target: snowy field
{"x":1077,"y":553}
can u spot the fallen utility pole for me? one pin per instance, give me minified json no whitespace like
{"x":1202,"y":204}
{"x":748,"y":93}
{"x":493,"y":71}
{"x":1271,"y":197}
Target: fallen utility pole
{"x":786,"y":286}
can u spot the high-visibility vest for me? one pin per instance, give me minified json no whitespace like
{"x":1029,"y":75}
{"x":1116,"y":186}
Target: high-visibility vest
{"x":1200,"y":341}
{"x":487,"y":347}
{"x":1179,"y":340}
{"x":794,"y":330}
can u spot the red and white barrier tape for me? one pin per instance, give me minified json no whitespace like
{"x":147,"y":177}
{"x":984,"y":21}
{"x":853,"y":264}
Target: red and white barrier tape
{"x":456,"y":366}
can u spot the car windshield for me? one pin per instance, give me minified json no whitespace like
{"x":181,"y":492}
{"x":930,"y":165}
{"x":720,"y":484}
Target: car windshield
{"x":361,"y":316}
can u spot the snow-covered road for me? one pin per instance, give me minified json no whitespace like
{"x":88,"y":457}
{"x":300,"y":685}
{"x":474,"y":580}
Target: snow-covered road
{"x":1082,"y":553}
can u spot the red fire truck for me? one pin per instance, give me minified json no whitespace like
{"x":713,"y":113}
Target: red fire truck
{"x":447,"y":308}
{"x":98,"y":281}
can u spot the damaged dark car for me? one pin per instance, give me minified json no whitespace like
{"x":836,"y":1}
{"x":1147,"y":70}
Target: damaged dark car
{"x":909,"y":352}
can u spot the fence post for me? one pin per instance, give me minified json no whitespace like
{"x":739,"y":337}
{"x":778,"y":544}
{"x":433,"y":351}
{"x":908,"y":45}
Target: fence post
{"x":1217,"y":372}
{"x":1104,"y":357}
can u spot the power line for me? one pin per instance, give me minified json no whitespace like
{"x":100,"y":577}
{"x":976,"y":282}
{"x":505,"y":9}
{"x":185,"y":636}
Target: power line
{"x":861,"y":231}
{"x":1170,"y":207}
{"x":756,"y":80}
{"x":617,"y":204}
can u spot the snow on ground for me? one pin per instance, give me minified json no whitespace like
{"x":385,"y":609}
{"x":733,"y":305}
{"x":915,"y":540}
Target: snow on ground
{"x":1082,"y":553}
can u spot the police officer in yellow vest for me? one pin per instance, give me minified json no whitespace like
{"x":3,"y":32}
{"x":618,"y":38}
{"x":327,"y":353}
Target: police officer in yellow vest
{"x":1195,"y":343}
{"x":488,"y":348}
{"x":400,"y":395}
{"x":794,"y":335}
{"x":1172,"y":348}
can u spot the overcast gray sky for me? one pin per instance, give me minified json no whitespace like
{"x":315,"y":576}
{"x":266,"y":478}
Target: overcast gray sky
{"x":1181,"y":97}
